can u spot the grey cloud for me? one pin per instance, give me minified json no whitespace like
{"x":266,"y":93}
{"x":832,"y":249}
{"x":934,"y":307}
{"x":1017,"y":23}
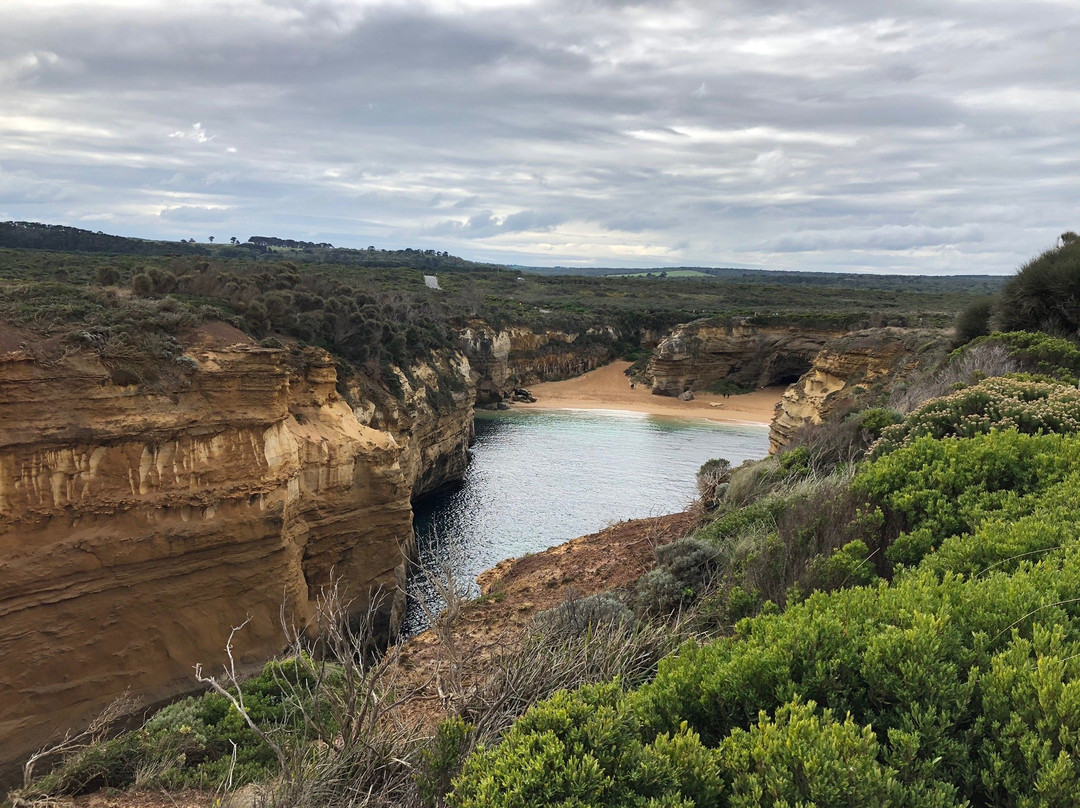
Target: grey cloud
{"x":828,"y":136}
{"x":486,"y":224}
{"x":887,"y":237}
{"x":194,"y":214}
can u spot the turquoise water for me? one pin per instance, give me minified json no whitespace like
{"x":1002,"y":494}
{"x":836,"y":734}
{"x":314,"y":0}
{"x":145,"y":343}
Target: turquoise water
{"x":540,"y":478}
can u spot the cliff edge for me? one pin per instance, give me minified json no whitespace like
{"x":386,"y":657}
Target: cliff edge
{"x":138,"y":526}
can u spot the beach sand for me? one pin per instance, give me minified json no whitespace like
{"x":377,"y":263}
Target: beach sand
{"x":608,"y":388}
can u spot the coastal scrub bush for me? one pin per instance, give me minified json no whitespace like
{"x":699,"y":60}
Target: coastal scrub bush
{"x":1033,"y":351}
{"x":318,"y":727}
{"x":850,"y":565}
{"x":906,"y":660}
{"x":802,"y":756}
{"x":441,"y":760}
{"x":197,"y":741}
{"x":577,"y":616}
{"x":1004,"y":541}
{"x":685,"y":570}
{"x":1029,"y":729}
{"x":712,"y":479}
{"x":584,"y":749}
{"x":1025,"y":404}
{"x":784,"y":543}
{"x":974,"y":320}
{"x":935,"y":489}
{"x":1044,"y":294}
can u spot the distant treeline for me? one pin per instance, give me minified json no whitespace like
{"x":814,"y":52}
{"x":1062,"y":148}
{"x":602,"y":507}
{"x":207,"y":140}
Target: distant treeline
{"x":35,"y":236}
{"x":849,"y":280}
{"x":270,"y":241}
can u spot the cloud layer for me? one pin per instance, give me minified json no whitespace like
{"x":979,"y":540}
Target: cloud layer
{"x":941,"y":137}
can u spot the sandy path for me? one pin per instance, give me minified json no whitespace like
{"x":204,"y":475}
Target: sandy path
{"x":608,"y":388}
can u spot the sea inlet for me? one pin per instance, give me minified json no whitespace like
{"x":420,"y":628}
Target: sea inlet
{"x":543,"y":477}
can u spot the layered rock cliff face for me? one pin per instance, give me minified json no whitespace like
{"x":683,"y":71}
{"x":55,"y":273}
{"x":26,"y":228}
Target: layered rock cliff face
{"x":514,"y":357}
{"x":137,"y":527}
{"x":700,"y":354}
{"x":848,"y":368}
{"x":431,"y":421}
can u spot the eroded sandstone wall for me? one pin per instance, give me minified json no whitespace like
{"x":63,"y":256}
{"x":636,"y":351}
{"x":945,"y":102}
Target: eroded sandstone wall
{"x":863,"y":364}
{"x":137,"y":527}
{"x":431,"y":420}
{"x":697,"y":355}
{"x":516,"y":356}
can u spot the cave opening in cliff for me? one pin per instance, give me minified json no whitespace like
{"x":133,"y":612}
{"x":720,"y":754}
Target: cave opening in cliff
{"x":787,"y":371}
{"x":785,"y":379}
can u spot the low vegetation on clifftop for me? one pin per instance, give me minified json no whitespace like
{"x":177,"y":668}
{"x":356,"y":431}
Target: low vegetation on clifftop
{"x":130,"y":300}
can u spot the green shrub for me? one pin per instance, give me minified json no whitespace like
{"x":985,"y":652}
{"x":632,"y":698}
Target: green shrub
{"x":584,"y":749}
{"x":1037,"y":352}
{"x":876,"y":420}
{"x":974,"y":321}
{"x":730,"y":524}
{"x":806,"y":757}
{"x":192,"y":742}
{"x":929,"y":670}
{"x":850,"y":565}
{"x":1003,"y":542}
{"x":1044,"y":295}
{"x":442,"y":759}
{"x":796,"y":460}
{"x":935,"y":489}
{"x":1029,"y":730}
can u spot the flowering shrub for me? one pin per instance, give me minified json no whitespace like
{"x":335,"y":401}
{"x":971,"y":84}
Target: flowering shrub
{"x":1028,"y":405}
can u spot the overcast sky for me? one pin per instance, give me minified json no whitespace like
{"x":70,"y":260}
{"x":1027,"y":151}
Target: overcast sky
{"x":930,"y":136}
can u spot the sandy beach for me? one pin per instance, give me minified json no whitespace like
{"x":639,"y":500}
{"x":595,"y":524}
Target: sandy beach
{"x":607,"y":388}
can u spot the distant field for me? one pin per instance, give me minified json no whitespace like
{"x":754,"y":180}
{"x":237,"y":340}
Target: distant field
{"x":674,"y":273}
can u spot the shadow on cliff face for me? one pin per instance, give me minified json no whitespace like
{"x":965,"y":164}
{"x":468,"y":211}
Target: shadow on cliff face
{"x":786,"y":368}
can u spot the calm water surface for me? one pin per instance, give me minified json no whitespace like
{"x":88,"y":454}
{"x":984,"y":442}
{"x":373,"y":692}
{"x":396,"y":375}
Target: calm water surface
{"x":540,"y":478}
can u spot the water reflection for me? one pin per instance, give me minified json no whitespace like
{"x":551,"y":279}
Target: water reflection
{"x":538,"y":479}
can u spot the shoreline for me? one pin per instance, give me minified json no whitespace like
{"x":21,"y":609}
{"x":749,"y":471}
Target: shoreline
{"x":607,"y":388}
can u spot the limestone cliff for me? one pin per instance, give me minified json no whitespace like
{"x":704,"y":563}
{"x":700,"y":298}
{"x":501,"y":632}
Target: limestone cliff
{"x":518,"y":356}
{"x":699,"y":354}
{"x":431,"y":419}
{"x":851,"y":367}
{"x":137,"y":527}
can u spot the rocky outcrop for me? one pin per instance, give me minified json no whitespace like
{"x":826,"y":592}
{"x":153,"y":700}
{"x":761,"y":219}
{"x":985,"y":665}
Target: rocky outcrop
{"x":502,"y":359}
{"x":431,"y":418}
{"x":701,"y":354}
{"x":137,"y":527}
{"x":855,"y":366}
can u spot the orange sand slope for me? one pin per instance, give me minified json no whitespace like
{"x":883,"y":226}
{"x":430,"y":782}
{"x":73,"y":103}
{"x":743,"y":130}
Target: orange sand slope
{"x":607,"y":388}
